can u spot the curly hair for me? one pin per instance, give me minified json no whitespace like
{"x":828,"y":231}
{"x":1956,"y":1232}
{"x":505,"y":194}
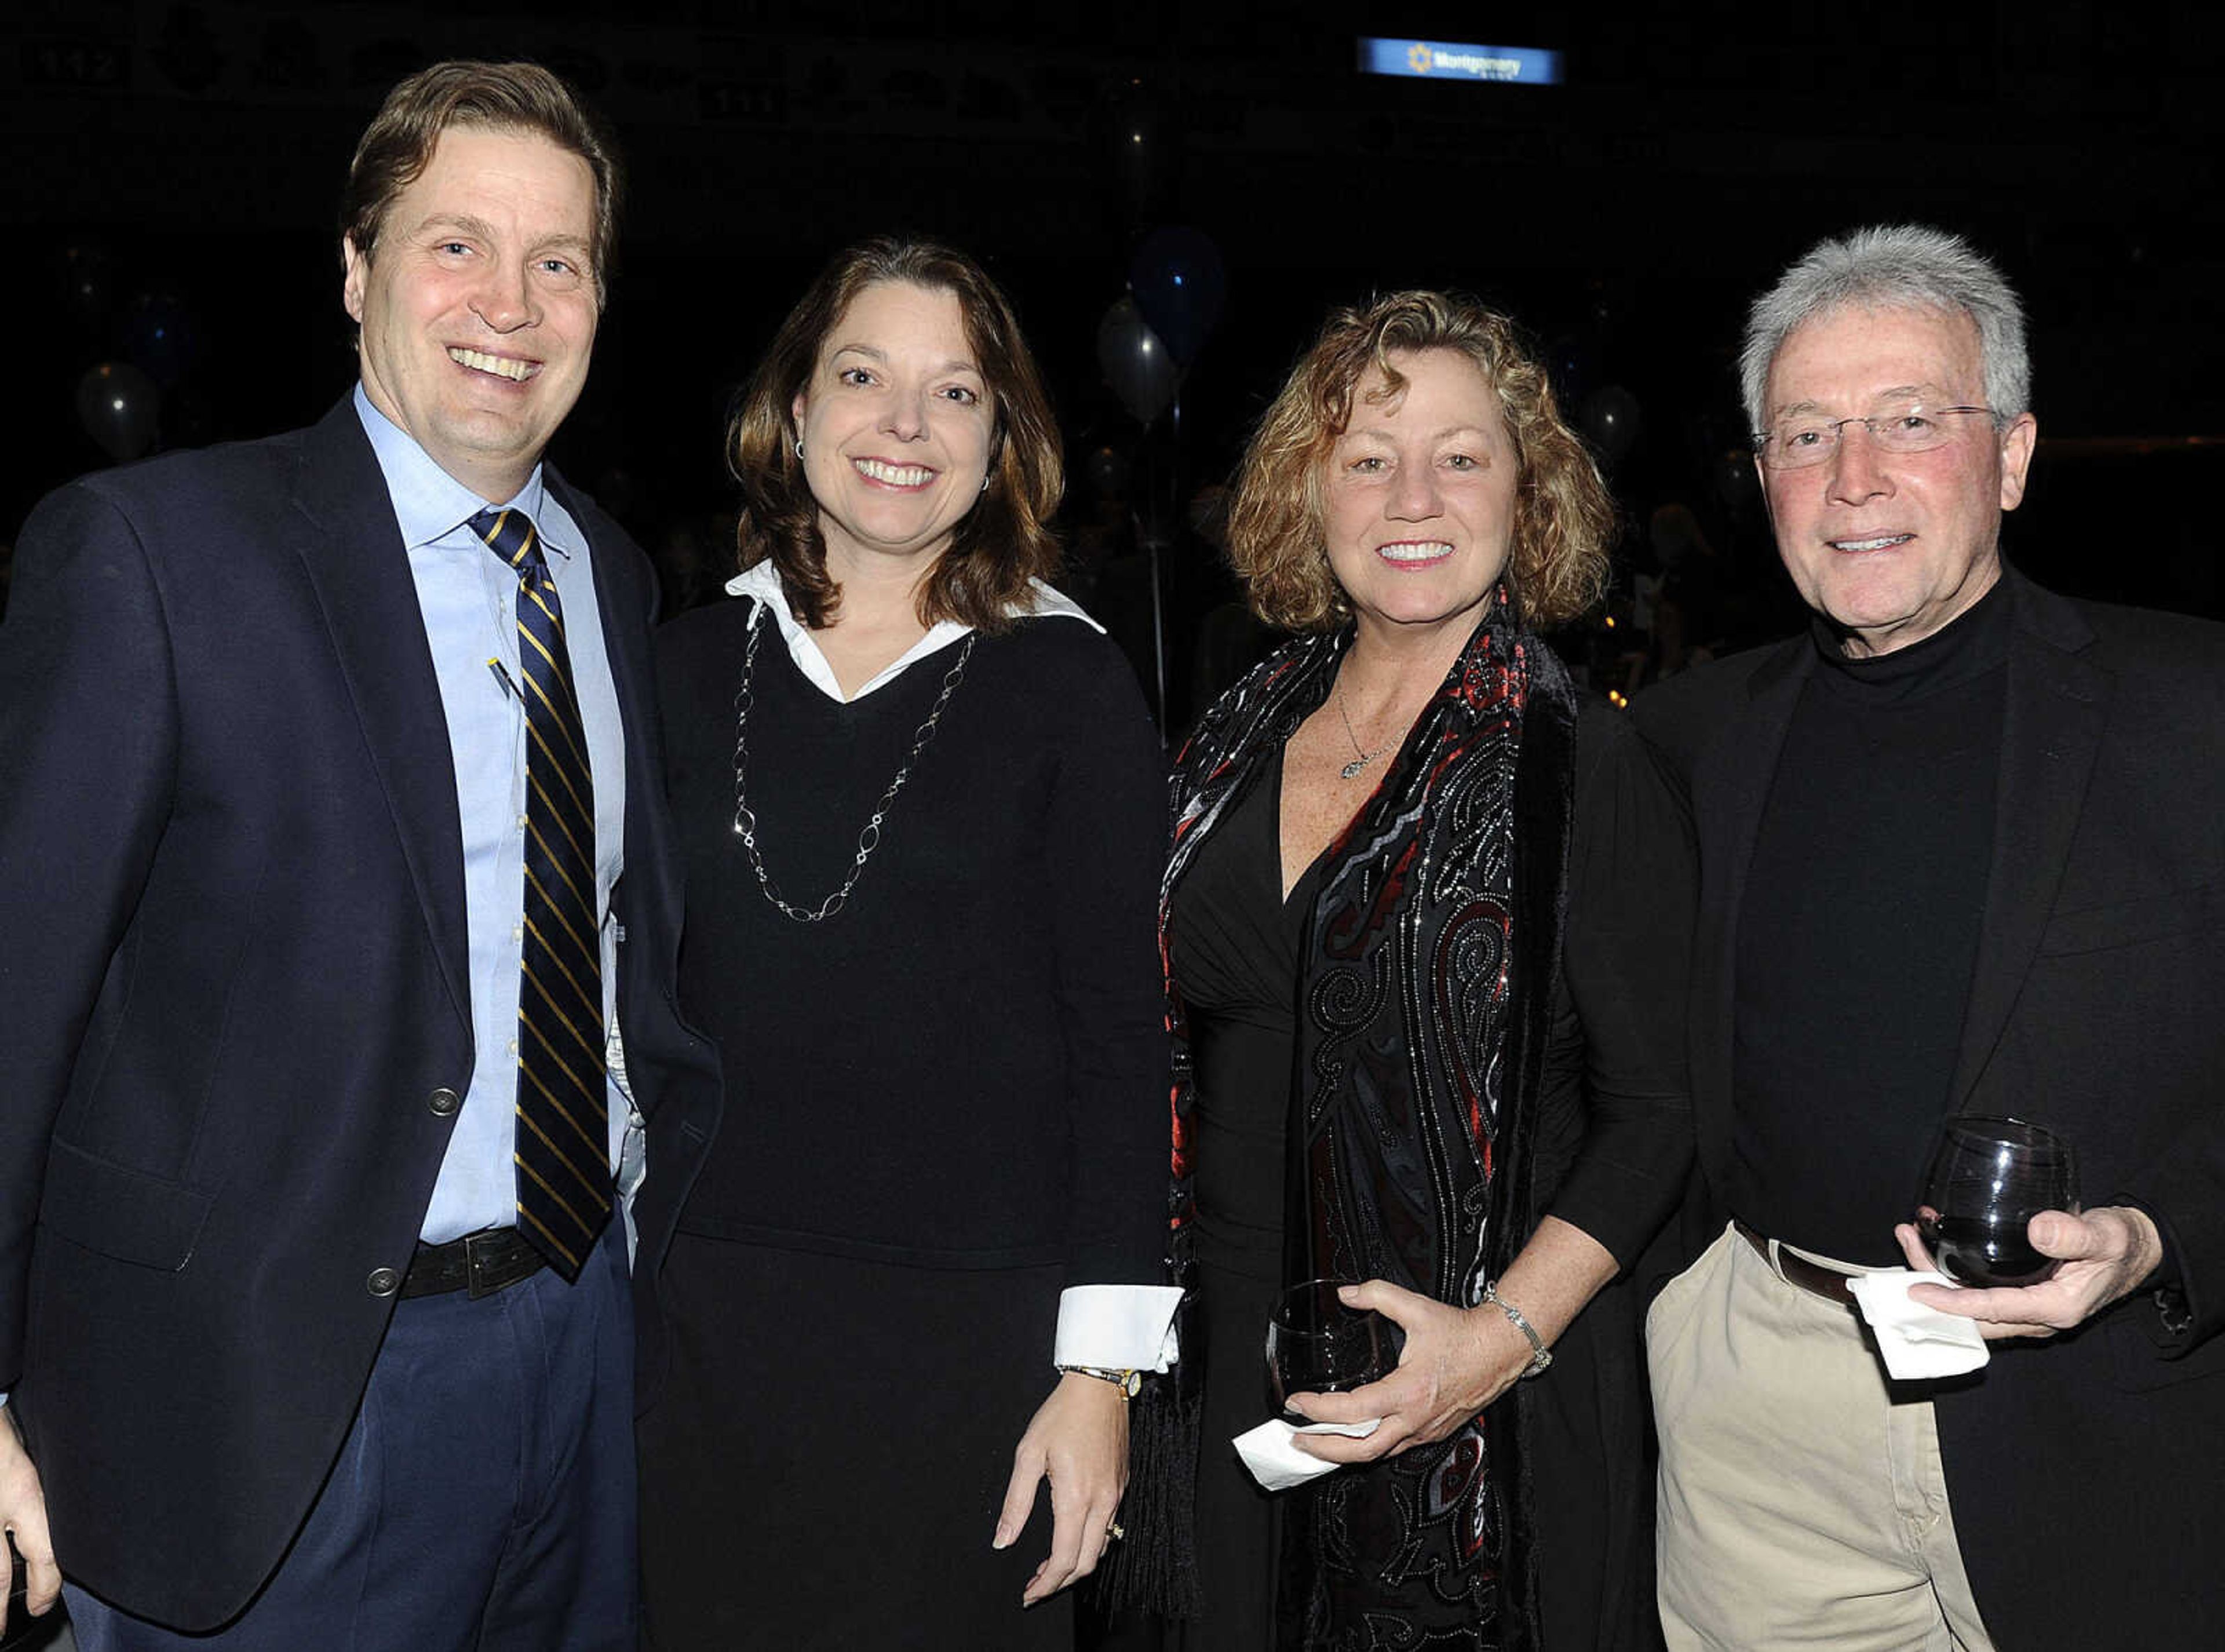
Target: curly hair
{"x":1001,"y":543}
{"x":1563,"y":516}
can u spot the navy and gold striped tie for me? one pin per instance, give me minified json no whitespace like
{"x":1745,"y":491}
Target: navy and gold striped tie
{"x":563,"y":1142}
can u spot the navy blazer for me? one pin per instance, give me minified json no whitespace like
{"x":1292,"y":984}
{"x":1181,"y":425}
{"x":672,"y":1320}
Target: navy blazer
{"x":232,"y":894}
{"x":2083,"y":1469}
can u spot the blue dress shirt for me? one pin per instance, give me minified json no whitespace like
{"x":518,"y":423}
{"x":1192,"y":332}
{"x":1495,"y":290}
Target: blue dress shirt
{"x":469,"y":599}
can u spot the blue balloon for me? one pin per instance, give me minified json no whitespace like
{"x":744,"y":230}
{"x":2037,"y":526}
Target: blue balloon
{"x":159,"y":335}
{"x":1573,"y":360}
{"x":1180,"y":285}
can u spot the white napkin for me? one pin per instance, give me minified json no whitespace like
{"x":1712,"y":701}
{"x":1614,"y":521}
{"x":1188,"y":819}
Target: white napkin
{"x":1917,"y":1341}
{"x":1277,"y":1465}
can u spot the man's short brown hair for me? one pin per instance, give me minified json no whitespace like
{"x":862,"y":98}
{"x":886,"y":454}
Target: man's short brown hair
{"x":398,"y":143}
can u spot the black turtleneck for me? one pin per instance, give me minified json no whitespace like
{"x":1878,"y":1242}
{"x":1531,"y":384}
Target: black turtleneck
{"x":1859,"y":930}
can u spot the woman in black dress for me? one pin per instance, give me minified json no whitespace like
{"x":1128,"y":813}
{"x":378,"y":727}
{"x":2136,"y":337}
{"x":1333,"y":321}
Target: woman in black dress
{"x":922,"y":813}
{"x":1425,"y":921}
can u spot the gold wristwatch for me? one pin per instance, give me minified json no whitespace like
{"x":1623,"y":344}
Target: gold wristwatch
{"x":1130,"y":1383}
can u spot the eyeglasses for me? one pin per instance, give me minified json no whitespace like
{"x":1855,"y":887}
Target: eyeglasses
{"x":1805,"y":440}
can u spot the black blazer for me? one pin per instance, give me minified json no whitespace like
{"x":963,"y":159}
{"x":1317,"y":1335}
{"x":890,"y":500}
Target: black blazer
{"x":2084,"y":1469}
{"x":234,"y":978}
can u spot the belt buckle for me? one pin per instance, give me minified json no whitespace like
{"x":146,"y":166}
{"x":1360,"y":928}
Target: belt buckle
{"x":481,"y":1251}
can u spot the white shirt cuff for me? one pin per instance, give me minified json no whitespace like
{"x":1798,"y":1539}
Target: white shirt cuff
{"x":1117,"y":1327}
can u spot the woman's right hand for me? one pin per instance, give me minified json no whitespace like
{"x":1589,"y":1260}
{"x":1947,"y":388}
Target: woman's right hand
{"x":1459,"y":1360}
{"x":1079,"y":1442}
{"x":1456,"y":1361}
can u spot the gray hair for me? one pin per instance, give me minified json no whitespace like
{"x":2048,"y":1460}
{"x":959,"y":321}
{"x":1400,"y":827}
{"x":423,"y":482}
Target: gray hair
{"x":1893,"y":267}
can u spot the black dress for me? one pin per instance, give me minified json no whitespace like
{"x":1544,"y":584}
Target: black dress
{"x":944,"y":1105}
{"x":1236,"y":944}
{"x":1238,"y":951}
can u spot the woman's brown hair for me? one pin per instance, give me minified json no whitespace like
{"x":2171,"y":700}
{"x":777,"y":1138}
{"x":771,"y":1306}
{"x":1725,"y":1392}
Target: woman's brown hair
{"x":1000,"y":544}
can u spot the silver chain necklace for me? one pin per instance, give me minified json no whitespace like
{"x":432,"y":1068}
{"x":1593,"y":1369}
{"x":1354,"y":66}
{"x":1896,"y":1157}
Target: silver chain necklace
{"x":1360,"y":759}
{"x":745,"y":820}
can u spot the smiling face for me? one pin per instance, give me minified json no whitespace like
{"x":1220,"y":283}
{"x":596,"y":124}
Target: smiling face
{"x":1418,"y":508}
{"x":896,"y":423}
{"x":478,"y":308}
{"x":1891,"y":547}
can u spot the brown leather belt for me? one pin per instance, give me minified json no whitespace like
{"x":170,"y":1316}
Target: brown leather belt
{"x":1812,"y":1277}
{"x":481,"y":1263}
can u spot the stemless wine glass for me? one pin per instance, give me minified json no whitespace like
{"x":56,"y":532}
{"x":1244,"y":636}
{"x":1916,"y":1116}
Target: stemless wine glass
{"x":1318,"y":1345}
{"x":1988,"y":1177}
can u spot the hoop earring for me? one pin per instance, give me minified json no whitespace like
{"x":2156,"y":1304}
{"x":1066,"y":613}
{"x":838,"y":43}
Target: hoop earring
{"x":799,"y":448}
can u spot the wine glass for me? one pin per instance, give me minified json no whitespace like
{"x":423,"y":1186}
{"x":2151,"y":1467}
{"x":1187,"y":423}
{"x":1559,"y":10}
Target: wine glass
{"x":19,"y":1582}
{"x":1316,"y":1344}
{"x":1987,"y":1178}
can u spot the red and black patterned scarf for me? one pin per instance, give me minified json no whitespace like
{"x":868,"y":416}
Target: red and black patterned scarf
{"x":1419,"y":1040}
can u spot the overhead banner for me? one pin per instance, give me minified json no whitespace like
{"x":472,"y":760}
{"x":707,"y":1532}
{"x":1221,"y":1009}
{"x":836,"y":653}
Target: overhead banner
{"x":1528,"y":65}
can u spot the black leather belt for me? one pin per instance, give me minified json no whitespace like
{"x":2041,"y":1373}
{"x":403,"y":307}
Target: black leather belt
{"x":481,"y":1263}
{"x":1812,"y":1277}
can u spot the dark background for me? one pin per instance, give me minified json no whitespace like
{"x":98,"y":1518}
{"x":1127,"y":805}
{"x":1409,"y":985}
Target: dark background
{"x":170,"y":174}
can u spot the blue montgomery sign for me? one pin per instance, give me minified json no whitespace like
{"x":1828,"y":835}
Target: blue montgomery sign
{"x":1527,"y":66}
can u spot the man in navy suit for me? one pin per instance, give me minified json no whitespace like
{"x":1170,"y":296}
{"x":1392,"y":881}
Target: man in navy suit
{"x":304,"y":1341}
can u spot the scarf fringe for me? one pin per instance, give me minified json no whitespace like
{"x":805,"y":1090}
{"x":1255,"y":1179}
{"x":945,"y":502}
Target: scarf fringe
{"x":1155,"y":1567}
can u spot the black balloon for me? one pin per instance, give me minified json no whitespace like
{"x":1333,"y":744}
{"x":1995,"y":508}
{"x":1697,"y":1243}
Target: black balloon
{"x":1736,"y":484}
{"x":117,"y":404}
{"x":1610,"y":421}
{"x":88,"y":281}
{"x":1140,"y":136}
{"x":1180,"y":285}
{"x":1109,"y":473}
{"x":1136,"y":361}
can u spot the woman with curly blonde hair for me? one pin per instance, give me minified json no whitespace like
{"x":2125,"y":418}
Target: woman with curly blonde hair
{"x":1424,"y":927}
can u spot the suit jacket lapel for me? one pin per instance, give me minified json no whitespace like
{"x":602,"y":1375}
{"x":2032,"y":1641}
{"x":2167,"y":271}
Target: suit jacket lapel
{"x":619,"y":604}
{"x":351,"y":544}
{"x":651,"y":866}
{"x":1730,"y":787}
{"x":2056,"y":706}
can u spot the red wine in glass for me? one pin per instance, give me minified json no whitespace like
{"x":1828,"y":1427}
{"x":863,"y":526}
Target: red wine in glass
{"x":1318,"y":1345}
{"x":1988,"y":1177}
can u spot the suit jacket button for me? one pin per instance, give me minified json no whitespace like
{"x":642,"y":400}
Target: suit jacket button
{"x":443,"y":1102}
{"x":383,"y":1282}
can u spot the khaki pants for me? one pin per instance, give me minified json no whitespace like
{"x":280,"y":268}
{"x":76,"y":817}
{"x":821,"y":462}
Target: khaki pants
{"x":1801,"y":1503}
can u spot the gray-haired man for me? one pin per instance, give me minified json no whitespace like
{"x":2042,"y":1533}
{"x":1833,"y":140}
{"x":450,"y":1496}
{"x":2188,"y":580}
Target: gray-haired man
{"x":1960,"y":855}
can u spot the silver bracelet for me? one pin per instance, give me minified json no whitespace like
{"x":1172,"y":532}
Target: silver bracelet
{"x":1540,"y":1355}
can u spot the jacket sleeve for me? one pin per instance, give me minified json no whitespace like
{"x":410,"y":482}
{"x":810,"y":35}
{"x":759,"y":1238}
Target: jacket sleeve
{"x":88,"y":724}
{"x":1619,"y":1038}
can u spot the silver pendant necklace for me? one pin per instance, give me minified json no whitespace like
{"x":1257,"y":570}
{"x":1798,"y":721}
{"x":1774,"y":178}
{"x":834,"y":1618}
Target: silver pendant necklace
{"x":1360,"y":759}
{"x":869,"y":839}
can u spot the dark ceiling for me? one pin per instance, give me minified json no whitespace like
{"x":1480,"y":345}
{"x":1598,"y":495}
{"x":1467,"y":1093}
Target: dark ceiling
{"x":192,"y":152}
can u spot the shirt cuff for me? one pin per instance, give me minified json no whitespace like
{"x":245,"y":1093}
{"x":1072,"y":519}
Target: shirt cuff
{"x":1117,"y":1327}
